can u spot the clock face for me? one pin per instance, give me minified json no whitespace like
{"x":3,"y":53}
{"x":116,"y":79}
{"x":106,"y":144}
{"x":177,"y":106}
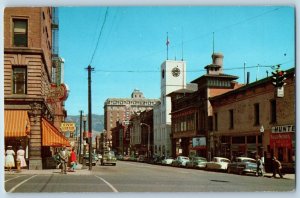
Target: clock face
{"x":175,"y":72}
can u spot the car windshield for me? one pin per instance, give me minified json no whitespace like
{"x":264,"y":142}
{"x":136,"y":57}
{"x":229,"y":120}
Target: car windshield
{"x":200,"y":159}
{"x":111,"y":153}
{"x":249,"y":160}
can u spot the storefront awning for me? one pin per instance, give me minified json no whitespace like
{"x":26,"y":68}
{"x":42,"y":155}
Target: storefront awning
{"x":16,"y":123}
{"x":51,"y":136}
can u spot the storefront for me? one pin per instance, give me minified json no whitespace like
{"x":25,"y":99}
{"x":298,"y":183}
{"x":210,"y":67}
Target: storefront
{"x":282,"y":144}
{"x":17,"y":129}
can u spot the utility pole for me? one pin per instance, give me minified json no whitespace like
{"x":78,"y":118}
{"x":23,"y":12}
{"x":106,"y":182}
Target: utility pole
{"x":80,"y":135}
{"x":90,"y":69}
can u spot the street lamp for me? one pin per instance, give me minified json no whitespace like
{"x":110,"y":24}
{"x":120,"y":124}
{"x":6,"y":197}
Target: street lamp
{"x":262,"y":130}
{"x":148,"y":148}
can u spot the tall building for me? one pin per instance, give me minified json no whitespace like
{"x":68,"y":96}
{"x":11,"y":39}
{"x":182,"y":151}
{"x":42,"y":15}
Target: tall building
{"x":173,"y":77}
{"x":31,"y":106}
{"x":118,"y":110}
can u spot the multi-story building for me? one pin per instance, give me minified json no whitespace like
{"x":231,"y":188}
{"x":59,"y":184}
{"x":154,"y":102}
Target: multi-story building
{"x":118,"y":110}
{"x":192,"y":111}
{"x":252,"y":120}
{"x":173,"y":77}
{"x":31,"y":108}
{"x":141,"y":134}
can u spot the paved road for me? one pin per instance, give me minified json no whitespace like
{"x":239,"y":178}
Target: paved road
{"x":140,"y":177}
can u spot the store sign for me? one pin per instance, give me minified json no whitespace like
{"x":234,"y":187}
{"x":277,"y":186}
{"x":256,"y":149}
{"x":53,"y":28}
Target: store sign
{"x":281,"y":140}
{"x":199,"y":142}
{"x":68,"y":127}
{"x":57,"y":93}
{"x":283,"y":129}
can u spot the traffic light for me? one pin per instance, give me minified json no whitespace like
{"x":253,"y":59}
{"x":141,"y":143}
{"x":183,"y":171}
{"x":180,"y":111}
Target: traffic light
{"x":274,"y":78}
{"x":281,"y":78}
{"x":278,"y":78}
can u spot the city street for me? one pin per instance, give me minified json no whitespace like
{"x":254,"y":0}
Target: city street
{"x":141,"y":177}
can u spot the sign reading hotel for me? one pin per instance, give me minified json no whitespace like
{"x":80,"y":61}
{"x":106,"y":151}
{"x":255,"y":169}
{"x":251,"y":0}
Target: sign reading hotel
{"x":68,"y":127}
{"x":57,"y":93}
{"x":283,"y":129}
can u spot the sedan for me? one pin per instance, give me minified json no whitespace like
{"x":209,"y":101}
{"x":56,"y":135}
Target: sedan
{"x":180,"y":161}
{"x":167,"y":161}
{"x":218,"y":163}
{"x":242,"y":165}
{"x":94,"y":159}
{"x":196,"y":162}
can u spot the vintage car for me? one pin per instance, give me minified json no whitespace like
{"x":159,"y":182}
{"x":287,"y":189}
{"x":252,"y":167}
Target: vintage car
{"x":196,"y":162}
{"x":242,"y":165}
{"x":218,"y":163}
{"x":109,"y":158}
{"x":167,"y":161}
{"x":180,"y":161}
{"x":94,"y":159}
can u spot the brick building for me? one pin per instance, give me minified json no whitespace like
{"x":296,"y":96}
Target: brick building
{"x":192,"y":111}
{"x":252,"y":120}
{"x":120,"y":110}
{"x":31,"y":70}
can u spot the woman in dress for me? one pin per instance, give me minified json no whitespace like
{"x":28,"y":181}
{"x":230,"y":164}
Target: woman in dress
{"x":9,"y":158}
{"x":20,"y":157}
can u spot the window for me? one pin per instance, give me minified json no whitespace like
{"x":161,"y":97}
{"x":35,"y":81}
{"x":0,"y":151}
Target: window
{"x":256,"y":114}
{"x":273,"y":111}
{"x":19,"y":80}
{"x":20,"y":32}
{"x":231,"y":118}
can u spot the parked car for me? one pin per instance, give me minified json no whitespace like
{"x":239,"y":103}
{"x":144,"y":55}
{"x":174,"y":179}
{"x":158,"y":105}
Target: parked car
{"x":141,"y":158}
{"x":196,"y":162}
{"x":167,"y":161}
{"x":180,"y":161}
{"x":242,"y":165}
{"x":218,"y":163}
{"x":109,"y":158}
{"x":94,"y":159}
{"x":126,"y":158}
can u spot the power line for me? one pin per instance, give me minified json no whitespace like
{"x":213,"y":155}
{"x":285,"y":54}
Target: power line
{"x":200,"y":70}
{"x":106,"y":12}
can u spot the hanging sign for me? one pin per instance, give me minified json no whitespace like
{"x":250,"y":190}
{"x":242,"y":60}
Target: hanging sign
{"x":57,"y":93}
{"x":68,"y":127}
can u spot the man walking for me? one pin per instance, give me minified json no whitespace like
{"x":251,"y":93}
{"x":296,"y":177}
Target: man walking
{"x":276,"y":167}
{"x":63,"y":160}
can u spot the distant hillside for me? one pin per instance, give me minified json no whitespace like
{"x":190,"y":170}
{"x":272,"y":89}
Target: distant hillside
{"x":97,"y":122}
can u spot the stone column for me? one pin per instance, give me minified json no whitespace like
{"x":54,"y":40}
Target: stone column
{"x":35,"y":141}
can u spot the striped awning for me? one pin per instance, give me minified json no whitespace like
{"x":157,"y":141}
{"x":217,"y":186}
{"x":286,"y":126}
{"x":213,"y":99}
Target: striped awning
{"x":16,"y":123}
{"x":51,"y":135}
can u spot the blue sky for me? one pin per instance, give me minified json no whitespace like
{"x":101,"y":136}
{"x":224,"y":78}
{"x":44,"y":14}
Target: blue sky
{"x":132,"y":46}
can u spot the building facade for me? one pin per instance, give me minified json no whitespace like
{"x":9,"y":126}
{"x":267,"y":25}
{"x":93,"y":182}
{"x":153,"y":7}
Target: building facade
{"x":252,"y":121}
{"x":192,"y":111}
{"x":29,"y":68}
{"x":120,"y":110}
{"x":173,"y":77}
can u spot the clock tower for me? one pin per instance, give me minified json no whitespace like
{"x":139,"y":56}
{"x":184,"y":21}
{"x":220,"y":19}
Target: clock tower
{"x":173,"y":77}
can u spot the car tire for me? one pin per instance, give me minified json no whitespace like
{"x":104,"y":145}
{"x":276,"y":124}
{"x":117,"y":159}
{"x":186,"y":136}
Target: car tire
{"x":228,"y":170}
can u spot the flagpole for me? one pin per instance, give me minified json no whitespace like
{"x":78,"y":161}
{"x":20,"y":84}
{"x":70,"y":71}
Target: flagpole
{"x":167,"y":46}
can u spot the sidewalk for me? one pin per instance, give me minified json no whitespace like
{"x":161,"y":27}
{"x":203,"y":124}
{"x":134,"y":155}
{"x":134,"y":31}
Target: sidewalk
{"x":82,"y":171}
{"x":285,"y":176}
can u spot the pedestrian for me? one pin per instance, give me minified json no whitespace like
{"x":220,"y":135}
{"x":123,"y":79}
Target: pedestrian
{"x":9,"y":158}
{"x":260,"y":166}
{"x":63,"y":160}
{"x":21,"y":157}
{"x":276,"y":167}
{"x":73,"y":160}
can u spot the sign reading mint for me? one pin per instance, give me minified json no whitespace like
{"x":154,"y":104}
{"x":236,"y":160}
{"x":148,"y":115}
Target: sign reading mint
{"x":283,"y":129}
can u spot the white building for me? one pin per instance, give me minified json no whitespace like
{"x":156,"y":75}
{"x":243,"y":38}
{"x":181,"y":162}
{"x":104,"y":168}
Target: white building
{"x":173,"y":77}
